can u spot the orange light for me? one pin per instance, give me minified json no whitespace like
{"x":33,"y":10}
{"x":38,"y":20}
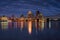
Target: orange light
{"x":30,"y":27}
{"x":4,"y":18}
{"x":22,"y":25}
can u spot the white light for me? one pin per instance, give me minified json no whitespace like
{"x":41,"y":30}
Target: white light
{"x":49,"y":24}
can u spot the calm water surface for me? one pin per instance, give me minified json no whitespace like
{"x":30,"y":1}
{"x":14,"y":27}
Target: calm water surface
{"x":17,"y":34}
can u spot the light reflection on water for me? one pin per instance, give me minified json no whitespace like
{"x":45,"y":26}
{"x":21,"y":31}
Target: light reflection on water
{"x":22,"y":25}
{"x":6,"y":25}
{"x":30,"y":27}
{"x":17,"y":34}
{"x":49,"y":24}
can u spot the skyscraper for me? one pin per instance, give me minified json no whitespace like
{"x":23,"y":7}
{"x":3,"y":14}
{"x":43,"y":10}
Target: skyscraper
{"x":30,"y":18}
{"x":22,"y":22}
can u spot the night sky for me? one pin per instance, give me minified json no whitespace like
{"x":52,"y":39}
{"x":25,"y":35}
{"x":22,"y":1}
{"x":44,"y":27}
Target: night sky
{"x":17,"y":7}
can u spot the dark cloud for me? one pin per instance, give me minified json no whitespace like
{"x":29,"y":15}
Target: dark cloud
{"x":47,"y":7}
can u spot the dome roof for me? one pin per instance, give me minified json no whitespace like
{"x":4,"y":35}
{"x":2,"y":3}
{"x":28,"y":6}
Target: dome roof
{"x":29,"y":12}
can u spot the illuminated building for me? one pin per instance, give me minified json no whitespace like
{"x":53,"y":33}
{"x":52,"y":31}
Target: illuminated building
{"x":9,"y":23}
{"x":30,"y":16}
{"x":39,"y":21}
{"x":4,"y":22}
{"x":18,"y":22}
{"x":15,"y":23}
{"x":13,"y":20}
{"x":22,"y":21}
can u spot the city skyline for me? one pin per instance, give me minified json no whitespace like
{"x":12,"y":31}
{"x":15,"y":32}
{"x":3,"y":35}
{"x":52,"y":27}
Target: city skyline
{"x":29,"y":19}
{"x":38,"y":21}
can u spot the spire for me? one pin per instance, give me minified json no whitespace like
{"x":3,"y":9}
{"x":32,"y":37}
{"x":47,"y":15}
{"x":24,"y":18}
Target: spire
{"x":37,"y":13}
{"x":22,"y":15}
{"x":30,"y":14}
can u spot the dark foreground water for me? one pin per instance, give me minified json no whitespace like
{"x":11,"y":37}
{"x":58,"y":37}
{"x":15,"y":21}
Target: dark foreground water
{"x":46,"y":34}
{"x":17,"y":34}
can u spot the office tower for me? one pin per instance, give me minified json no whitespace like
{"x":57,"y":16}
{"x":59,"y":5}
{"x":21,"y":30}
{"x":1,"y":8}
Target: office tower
{"x":22,"y":21}
{"x":13,"y":20}
{"x":9,"y":23}
{"x":30,"y":16}
{"x":37,"y":20}
{"x":41,"y":21}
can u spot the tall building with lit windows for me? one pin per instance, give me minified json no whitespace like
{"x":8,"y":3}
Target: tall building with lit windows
{"x":22,"y":21}
{"x":39,"y":21}
{"x":9,"y":23}
{"x":14,"y":21}
{"x":30,"y":21}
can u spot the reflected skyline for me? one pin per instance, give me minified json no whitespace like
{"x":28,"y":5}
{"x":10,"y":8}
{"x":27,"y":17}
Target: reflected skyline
{"x":39,"y":21}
